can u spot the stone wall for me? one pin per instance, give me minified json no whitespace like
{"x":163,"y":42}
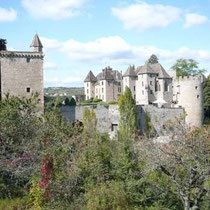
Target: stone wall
{"x":108,"y":116}
{"x":21,"y":74}
{"x":158,"y":116}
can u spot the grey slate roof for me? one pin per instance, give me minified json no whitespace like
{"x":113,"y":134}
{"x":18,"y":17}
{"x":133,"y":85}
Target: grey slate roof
{"x":36,"y":42}
{"x":90,"y":77}
{"x":153,"y":69}
{"x":130,"y":71}
{"x":157,"y":67}
{"x":109,"y":74}
{"x":146,"y":69}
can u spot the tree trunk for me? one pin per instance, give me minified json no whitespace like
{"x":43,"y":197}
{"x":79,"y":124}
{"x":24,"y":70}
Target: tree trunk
{"x":187,"y":204}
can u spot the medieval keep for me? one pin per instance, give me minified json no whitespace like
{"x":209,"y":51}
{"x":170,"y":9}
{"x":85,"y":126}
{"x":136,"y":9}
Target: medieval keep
{"x":21,"y":72}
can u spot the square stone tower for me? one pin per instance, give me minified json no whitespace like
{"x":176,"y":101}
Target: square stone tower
{"x":21,"y":72}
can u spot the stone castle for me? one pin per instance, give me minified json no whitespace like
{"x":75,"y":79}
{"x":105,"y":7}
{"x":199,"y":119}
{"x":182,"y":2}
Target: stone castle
{"x":21,"y":72}
{"x":150,"y":84}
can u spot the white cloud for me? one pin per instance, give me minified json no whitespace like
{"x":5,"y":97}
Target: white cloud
{"x":144,"y":16}
{"x":7,"y":15}
{"x":192,"y":19}
{"x":53,"y":9}
{"x":50,"y":65}
{"x":115,"y":50}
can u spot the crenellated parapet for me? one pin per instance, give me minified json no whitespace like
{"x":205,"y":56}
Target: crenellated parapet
{"x":193,"y":79}
{"x":21,"y":54}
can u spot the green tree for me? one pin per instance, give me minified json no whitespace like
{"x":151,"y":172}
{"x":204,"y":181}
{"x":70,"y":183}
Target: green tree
{"x":128,"y":113}
{"x":153,"y":59}
{"x":3,"y":43}
{"x":89,"y":122}
{"x":185,"y":161}
{"x":206,"y":93}
{"x":187,"y":67}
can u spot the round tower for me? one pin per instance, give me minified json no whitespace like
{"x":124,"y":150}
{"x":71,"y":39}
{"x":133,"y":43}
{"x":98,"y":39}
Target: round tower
{"x":188,"y":93}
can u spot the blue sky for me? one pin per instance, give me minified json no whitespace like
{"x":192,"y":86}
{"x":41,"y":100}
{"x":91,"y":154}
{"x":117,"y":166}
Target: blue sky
{"x":83,"y":35}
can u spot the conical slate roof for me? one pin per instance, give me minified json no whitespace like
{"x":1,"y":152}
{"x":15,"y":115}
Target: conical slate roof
{"x":130,"y":71}
{"x":161,"y":71}
{"x":90,"y":77}
{"x":36,"y":42}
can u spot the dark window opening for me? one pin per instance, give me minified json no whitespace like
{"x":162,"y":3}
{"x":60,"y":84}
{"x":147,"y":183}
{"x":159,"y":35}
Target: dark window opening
{"x":28,"y":90}
{"x":198,"y":96}
{"x":28,"y":60}
{"x":196,"y":87}
{"x":114,"y":127}
{"x":134,"y":88}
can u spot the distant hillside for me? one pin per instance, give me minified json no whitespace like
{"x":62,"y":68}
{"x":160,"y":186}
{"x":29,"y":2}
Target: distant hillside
{"x":63,"y":91}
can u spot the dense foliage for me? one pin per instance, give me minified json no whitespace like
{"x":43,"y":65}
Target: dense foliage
{"x":47,"y":163}
{"x":187,"y":67}
{"x":153,"y":59}
{"x":206,"y":93}
{"x":3,"y":44}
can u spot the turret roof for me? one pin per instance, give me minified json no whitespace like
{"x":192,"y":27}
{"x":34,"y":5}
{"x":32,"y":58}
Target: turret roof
{"x":109,"y":74}
{"x":157,"y":67}
{"x":146,"y":69}
{"x":90,"y":77}
{"x":130,"y":71}
{"x":36,"y":42}
{"x":153,"y":69}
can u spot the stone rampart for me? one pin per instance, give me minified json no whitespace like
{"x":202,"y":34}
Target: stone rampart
{"x":108,"y":116}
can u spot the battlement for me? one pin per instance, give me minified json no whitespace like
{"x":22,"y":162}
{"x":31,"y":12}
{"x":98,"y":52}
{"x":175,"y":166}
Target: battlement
{"x":21,"y":54}
{"x":197,"y":78}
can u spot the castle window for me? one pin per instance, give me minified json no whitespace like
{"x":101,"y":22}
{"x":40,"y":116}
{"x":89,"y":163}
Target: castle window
{"x":134,"y":96}
{"x":142,"y":84}
{"x":102,"y":90}
{"x":28,"y":90}
{"x":87,"y":91}
{"x":142,"y":92}
{"x":198,"y":96}
{"x":119,"y":89}
{"x":114,"y":127}
{"x":196,"y":87}
{"x":165,"y":86}
{"x":156,"y":86}
{"x":134,"y":88}
{"x":28,"y":60}
{"x":102,"y":83}
{"x":150,"y":82}
{"x":151,"y":92}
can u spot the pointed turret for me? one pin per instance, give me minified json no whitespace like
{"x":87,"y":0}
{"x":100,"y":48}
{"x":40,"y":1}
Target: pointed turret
{"x":130,"y":71}
{"x":90,"y":77}
{"x":36,"y":45}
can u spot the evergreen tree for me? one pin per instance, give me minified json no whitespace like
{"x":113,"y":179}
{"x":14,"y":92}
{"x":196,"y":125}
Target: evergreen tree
{"x":128,"y":113}
{"x":153,"y":59}
{"x":3,"y":43}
